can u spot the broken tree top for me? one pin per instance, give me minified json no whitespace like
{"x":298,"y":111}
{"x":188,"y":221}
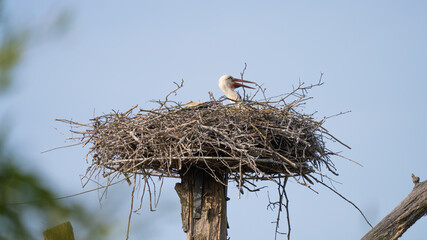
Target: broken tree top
{"x":249,"y":139}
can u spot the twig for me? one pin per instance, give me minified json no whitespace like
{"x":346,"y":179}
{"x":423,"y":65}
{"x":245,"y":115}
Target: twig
{"x":131,"y":207}
{"x":287,"y":208}
{"x":67,"y":146}
{"x":68,"y":196}
{"x":241,"y":77}
{"x":337,"y":193}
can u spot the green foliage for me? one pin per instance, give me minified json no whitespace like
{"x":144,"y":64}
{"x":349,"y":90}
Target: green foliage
{"x":11,"y":47}
{"x":10,"y":54}
{"x":15,"y":187}
{"x":23,"y":194}
{"x":27,"y":206}
{"x":62,"y":231}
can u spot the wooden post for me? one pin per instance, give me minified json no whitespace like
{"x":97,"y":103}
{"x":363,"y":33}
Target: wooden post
{"x":203,"y":205}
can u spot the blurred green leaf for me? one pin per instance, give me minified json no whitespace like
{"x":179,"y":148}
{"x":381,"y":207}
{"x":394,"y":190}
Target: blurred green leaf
{"x":27,"y":206}
{"x":62,"y":23}
{"x":62,"y":231}
{"x":11,"y":49}
{"x":23,"y":194}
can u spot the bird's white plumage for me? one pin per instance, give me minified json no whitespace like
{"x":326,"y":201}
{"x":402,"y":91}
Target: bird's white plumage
{"x":226,"y":85}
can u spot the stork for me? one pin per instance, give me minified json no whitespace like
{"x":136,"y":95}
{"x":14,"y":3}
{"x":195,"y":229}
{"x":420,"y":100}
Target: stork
{"x":227,"y":84}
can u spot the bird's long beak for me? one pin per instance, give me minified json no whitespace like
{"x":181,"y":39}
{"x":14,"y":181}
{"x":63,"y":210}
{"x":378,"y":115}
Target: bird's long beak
{"x":237,"y":85}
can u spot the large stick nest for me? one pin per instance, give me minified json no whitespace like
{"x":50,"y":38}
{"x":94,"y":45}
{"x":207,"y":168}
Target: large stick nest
{"x":248,"y":140}
{"x":270,"y":139}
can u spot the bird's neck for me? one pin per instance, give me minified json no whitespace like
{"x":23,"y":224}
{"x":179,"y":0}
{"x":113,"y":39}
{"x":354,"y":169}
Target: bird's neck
{"x":232,"y":95}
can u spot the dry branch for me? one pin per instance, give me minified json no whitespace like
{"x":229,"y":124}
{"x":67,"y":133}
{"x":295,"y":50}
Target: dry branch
{"x":412,"y":208}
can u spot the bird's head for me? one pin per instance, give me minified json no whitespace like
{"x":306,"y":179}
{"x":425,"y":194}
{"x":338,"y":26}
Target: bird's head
{"x":229,"y":82}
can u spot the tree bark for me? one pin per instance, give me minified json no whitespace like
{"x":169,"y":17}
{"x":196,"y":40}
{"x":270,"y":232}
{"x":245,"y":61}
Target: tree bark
{"x":412,"y":208}
{"x":204,"y":216}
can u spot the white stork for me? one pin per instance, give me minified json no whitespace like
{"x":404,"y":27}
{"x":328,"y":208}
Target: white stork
{"x":227,"y":84}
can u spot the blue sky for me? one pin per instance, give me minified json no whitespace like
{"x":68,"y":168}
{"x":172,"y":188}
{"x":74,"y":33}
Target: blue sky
{"x":118,"y":54}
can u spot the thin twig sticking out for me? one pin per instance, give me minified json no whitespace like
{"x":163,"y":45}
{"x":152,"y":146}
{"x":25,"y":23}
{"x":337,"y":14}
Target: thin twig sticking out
{"x":178,"y":86}
{"x":281,"y":189}
{"x":241,"y":77}
{"x":337,"y":193}
{"x":131,"y":206}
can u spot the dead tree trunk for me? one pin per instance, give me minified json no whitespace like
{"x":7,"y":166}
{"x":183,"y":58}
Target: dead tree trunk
{"x":412,"y":208}
{"x":203,"y":205}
